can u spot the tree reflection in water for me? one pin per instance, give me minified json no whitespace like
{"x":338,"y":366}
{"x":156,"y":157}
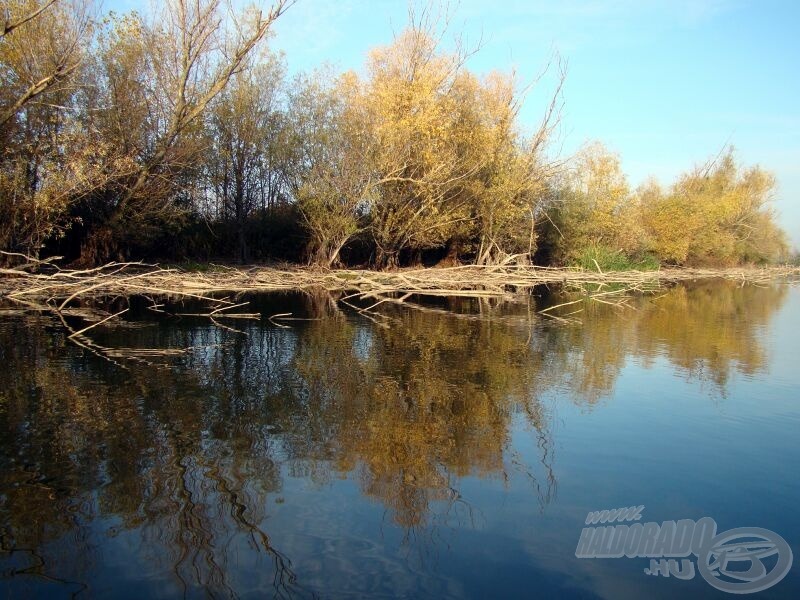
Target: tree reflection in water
{"x":188,"y":460}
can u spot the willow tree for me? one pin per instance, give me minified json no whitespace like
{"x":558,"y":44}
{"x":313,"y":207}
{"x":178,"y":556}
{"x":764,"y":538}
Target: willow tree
{"x":596,"y":211}
{"x":382,"y":153}
{"x":421,"y":153}
{"x":41,"y":47}
{"x":335,"y":176}
{"x":717,"y":213}
{"x":413,"y":114}
{"x":244,"y":132}
{"x":508,"y":192}
{"x":177,"y":64}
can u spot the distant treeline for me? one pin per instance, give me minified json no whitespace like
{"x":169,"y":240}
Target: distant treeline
{"x":179,"y":136}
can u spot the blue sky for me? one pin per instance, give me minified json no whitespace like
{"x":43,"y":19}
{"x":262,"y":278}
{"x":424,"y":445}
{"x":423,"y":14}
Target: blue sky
{"x":665,"y":83}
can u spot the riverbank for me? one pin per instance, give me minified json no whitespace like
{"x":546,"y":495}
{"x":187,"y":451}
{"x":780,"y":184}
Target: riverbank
{"x":219,"y":293}
{"x":32,"y":284}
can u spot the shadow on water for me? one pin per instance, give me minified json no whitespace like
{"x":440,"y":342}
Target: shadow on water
{"x":166,"y":479}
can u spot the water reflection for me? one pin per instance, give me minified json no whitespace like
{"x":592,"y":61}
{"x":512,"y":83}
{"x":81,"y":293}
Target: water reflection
{"x":167,"y":479}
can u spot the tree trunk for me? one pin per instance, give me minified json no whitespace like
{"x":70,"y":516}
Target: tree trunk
{"x":386,"y":260}
{"x":244,"y":251}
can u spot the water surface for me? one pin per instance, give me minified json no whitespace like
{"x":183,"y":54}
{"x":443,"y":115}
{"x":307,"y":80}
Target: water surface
{"x":449,"y":449}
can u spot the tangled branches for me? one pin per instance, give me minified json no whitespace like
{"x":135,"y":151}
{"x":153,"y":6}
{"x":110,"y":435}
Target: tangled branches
{"x":42,"y":286}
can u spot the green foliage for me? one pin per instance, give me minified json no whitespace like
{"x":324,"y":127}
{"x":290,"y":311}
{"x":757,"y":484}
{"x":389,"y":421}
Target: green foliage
{"x":606,"y":259}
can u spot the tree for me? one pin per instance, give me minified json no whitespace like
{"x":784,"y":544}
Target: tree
{"x":45,"y":50}
{"x":334,"y":175}
{"x":595,"y":210}
{"x":715,"y":214}
{"x":184,"y":60}
{"x":420,"y":153}
{"x":413,"y":116}
{"x":11,"y":22}
{"x":509,"y":191}
{"x":44,"y":159}
{"x":245,"y":132}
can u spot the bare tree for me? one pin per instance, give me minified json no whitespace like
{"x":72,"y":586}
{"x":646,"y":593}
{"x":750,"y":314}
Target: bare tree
{"x":245,"y":130}
{"x":197,"y":27}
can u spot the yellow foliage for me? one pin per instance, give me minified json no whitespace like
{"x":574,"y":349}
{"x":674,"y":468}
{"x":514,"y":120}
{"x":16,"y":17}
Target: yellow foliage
{"x":596,"y":208}
{"x":715,"y":214}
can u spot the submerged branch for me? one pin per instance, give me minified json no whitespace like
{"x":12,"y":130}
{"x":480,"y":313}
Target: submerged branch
{"x":130,"y":279}
{"x":66,"y":292}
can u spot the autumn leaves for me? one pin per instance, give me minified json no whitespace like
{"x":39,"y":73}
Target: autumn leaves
{"x":179,"y":135}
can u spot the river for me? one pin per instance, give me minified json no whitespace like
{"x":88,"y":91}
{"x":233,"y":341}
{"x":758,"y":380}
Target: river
{"x":452,"y":448}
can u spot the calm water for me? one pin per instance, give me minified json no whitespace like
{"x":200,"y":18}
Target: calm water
{"x":448,"y":450}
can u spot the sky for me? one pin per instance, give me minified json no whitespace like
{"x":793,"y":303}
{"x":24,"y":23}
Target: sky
{"x":664,"y":83}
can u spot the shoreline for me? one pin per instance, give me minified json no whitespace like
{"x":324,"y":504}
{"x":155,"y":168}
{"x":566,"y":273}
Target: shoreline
{"x":132,"y":279}
{"x":85,"y":294}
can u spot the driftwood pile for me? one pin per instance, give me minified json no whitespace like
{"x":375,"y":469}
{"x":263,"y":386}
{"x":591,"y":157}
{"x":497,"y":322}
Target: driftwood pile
{"x":42,"y":286}
{"x":41,"y":281}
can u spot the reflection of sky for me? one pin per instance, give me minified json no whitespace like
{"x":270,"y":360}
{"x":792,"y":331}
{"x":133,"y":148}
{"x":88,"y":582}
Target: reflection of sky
{"x":363,"y":344}
{"x":659,"y":436}
{"x":682,"y":450}
{"x":664,"y":82}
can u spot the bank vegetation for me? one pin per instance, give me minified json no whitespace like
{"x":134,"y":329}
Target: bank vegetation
{"x":178,"y":136}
